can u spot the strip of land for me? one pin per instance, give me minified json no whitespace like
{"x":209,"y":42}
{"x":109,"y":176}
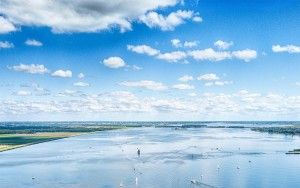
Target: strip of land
{"x":295,"y":151}
{"x":290,"y":130}
{"x":12,"y":137}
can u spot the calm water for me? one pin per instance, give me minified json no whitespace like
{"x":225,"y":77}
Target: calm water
{"x":169,"y":158}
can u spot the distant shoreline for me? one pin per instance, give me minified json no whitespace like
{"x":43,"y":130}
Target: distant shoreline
{"x":16,"y":135}
{"x":289,"y":130}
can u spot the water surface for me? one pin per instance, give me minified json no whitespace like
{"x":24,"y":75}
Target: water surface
{"x":217,"y":157}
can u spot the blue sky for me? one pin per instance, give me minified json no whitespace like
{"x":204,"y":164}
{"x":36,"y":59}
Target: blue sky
{"x":237,"y":60}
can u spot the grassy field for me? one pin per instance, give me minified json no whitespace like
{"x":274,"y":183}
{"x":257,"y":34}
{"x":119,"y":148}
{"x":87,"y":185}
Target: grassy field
{"x":12,"y":141}
{"x":12,"y":137}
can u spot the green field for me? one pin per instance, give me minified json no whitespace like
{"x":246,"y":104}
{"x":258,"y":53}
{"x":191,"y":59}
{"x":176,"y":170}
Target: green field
{"x":12,"y":141}
{"x":12,"y":137}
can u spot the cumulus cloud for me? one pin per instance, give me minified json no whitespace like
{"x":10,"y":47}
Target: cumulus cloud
{"x":143,"y":49}
{"x":6,"y":44}
{"x":81,"y":84}
{"x":288,"y":48}
{"x":246,"y":55}
{"x":67,"y":93}
{"x":188,"y":44}
{"x":6,"y":26}
{"x":183,"y":86}
{"x":186,"y":78}
{"x":176,"y":43}
{"x":36,"y":89}
{"x":32,"y":68}
{"x":82,"y":16}
{"x":222,"y":83}
{"x":166,"y":23}
{"x":62,"y":73}
{"x":146,"y":84}
{"x":114,"y":62}
{"x":172,"y":56}
{"x":212,"y":55}
{"x":208,"y":77}
{"x":213,"y":80}
{"x":218,"y":83}
{"x":197,"y":19}
{"x":33,"y":42}
{"x":208,"y":106}
{"x":223,"y":45}
{"x":209,"y":54}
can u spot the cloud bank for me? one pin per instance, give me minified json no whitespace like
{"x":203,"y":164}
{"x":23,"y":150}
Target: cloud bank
{"x":90,"y":15}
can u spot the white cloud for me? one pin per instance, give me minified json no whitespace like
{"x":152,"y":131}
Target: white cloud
{"x":62,"y":73}
{"x":39,"y":91}
{"x":32,"y":68}
{"x":200,"y":55}
{"x":114,"y":62}
{"x":209,"y":54}
{"x":223,"y":45}
{"x":176,"y":43}
{"x":213,"y":80}
{"x":6,"y":44}
{"x":243,"y":105}
{"x":80,"y":16}
{"x":81,"y":75}
{"x":81,"y":84}
{"x":197,"y":19}
{"x":183,"y":86}
{"x":23,"y":93}
{"x":208,"y":77}
{"x":288,"y":48}
{"x":166,"y":23}
{"x":172,"y":56}
{"x":143,"y":49}
{"x":6,"y":26}
{"x":147,"y":84}
{"x":67,"y":93}
{"x":246,"y":55}
{"x":188,"y":44}
{"x":33,"y":42}
{"x":212,"y":55}
{"x":218,"y":83}
{"x":186,"y":78}
{"x":222,"y":83}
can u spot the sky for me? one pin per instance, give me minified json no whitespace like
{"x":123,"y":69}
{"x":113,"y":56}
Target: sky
{"x":150,"y":60}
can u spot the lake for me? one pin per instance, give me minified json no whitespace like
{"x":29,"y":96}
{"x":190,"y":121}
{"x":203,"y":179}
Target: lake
{"x":194,"y":157}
